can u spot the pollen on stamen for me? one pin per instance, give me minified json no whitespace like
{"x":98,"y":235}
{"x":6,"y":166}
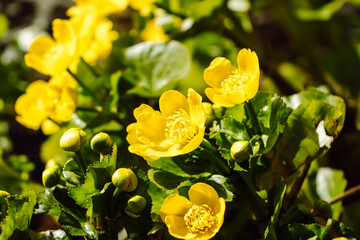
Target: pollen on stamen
{"x":199,"y":219}
{"x":235,"y":81}
{"x":180,"y":128}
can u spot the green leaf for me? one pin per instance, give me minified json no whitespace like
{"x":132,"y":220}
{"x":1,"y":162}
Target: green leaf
{"x":4,"y":25}
{"x":46,"y":203}
{"x":310,"y":128}
{"x":270,"y":232}
{"x":114,"y":82}
{"x":179,"y":166}
{"x":322,"y":13}
{"x":329,"y":184}
{"x":52,"y":235}
{"x":76,"y":227}
{"x":99,"y":201}
{"x":110,"y":160}
{"x":70,"y":172}
{"x":157,"y":66}
{"x":165,"y":180}
{"x":96,"y":178}
{"x":20,"y":211}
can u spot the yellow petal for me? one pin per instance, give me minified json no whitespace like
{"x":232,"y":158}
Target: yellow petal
{"x":143,"y":108}
{"x":49,"y":127}
{"x":175,"y":205}
{"x":40,"y":45}
{"x":158,"y":151}
{"x":202,"y":193}
{"x":170,"y":101}
{"x":197,"y":112}
{"x":177,"y":227}
{"x":219,"y":212}
{"x":229,"y":99}
{"x":251,"y":88}
{"x":195,"y":142}
{"x":151,"y":126}
{"x":63,"y":32}
{"x":248,"y":61}
{"x":220,"y":68}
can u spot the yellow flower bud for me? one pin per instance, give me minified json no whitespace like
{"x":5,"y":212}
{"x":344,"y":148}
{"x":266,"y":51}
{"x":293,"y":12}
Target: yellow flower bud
{"x":73,"y":139}
{"x":219,"y":110}
{"x":135,"y":205}
{"x":240,"y":151}
{"x":125,"y":179}
{"x":101,"y":143}
{"x":50,"y":176}
{"x":210,"y":115}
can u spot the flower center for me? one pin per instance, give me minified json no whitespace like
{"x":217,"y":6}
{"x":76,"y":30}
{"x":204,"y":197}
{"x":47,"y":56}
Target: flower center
{"x":199,"y":219}
{"x":180,"y":128}
{"x":235,"y":81}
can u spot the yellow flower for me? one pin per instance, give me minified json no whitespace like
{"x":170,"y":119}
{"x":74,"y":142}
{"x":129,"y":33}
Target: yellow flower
{"x":231,"y":86}
{"x":143,"y":6}
{"x":63,"y":80}
{"x":154,"y":33}
{"x":178,"y":129}
{"x":199,"y":218}
{"x":53,"y":56}
{"x":103,"y":8}
{"x":29,"y":106}
{"x":340,"y":238}
{"x":43,"y":101}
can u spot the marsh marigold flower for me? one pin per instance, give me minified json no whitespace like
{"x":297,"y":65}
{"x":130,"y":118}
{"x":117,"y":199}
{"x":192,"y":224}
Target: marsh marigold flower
{"x":230,"y":85}
{"x":177,"y":129}
{"x":200,"y":217}
{"x":43,"y":100}
{"x":51,"y":56}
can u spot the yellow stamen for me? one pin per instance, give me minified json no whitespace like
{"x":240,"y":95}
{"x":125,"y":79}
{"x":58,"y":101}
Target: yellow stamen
{"x":180,"y":128}
{"x":235,"y":81}
{"x":199,"y":219}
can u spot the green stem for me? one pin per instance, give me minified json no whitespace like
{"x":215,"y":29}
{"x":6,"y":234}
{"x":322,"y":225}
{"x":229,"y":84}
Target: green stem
{"x":253,"y":118}
{"x":88,"y":66}
{"x":112,"y":214}
{"x":93,"y":96}
{"x":212,"y":154}
{"x":80,"y":161}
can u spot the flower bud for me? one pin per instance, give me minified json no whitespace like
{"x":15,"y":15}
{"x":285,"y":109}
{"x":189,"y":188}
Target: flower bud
{"x":125,"y":179}
{"x":219,"y":111}
{"x":51,"y":163}
{"x":73,"y":139}
{"x":101,"y":143}
{"x":210,"y":115}
{"x":51,"y":176}
{"x":135,"y":205}
{"x":240,"y":151}
{"x":322,"y":208}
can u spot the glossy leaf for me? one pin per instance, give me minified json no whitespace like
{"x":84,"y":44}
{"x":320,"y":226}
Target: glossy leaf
{"x":157,"y":66}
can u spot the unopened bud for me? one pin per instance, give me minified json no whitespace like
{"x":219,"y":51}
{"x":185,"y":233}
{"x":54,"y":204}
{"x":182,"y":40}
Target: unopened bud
{"x":51,"y":176}
{"x":73,"y":139}
{"x":240,"y":151}
{"x":125,"y":179}
{"x":135,"y":205}
{"x":322,"y":208}
{"x":210,"y":115}
{"x":101,"y":143}
{"x":3,"y":195}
